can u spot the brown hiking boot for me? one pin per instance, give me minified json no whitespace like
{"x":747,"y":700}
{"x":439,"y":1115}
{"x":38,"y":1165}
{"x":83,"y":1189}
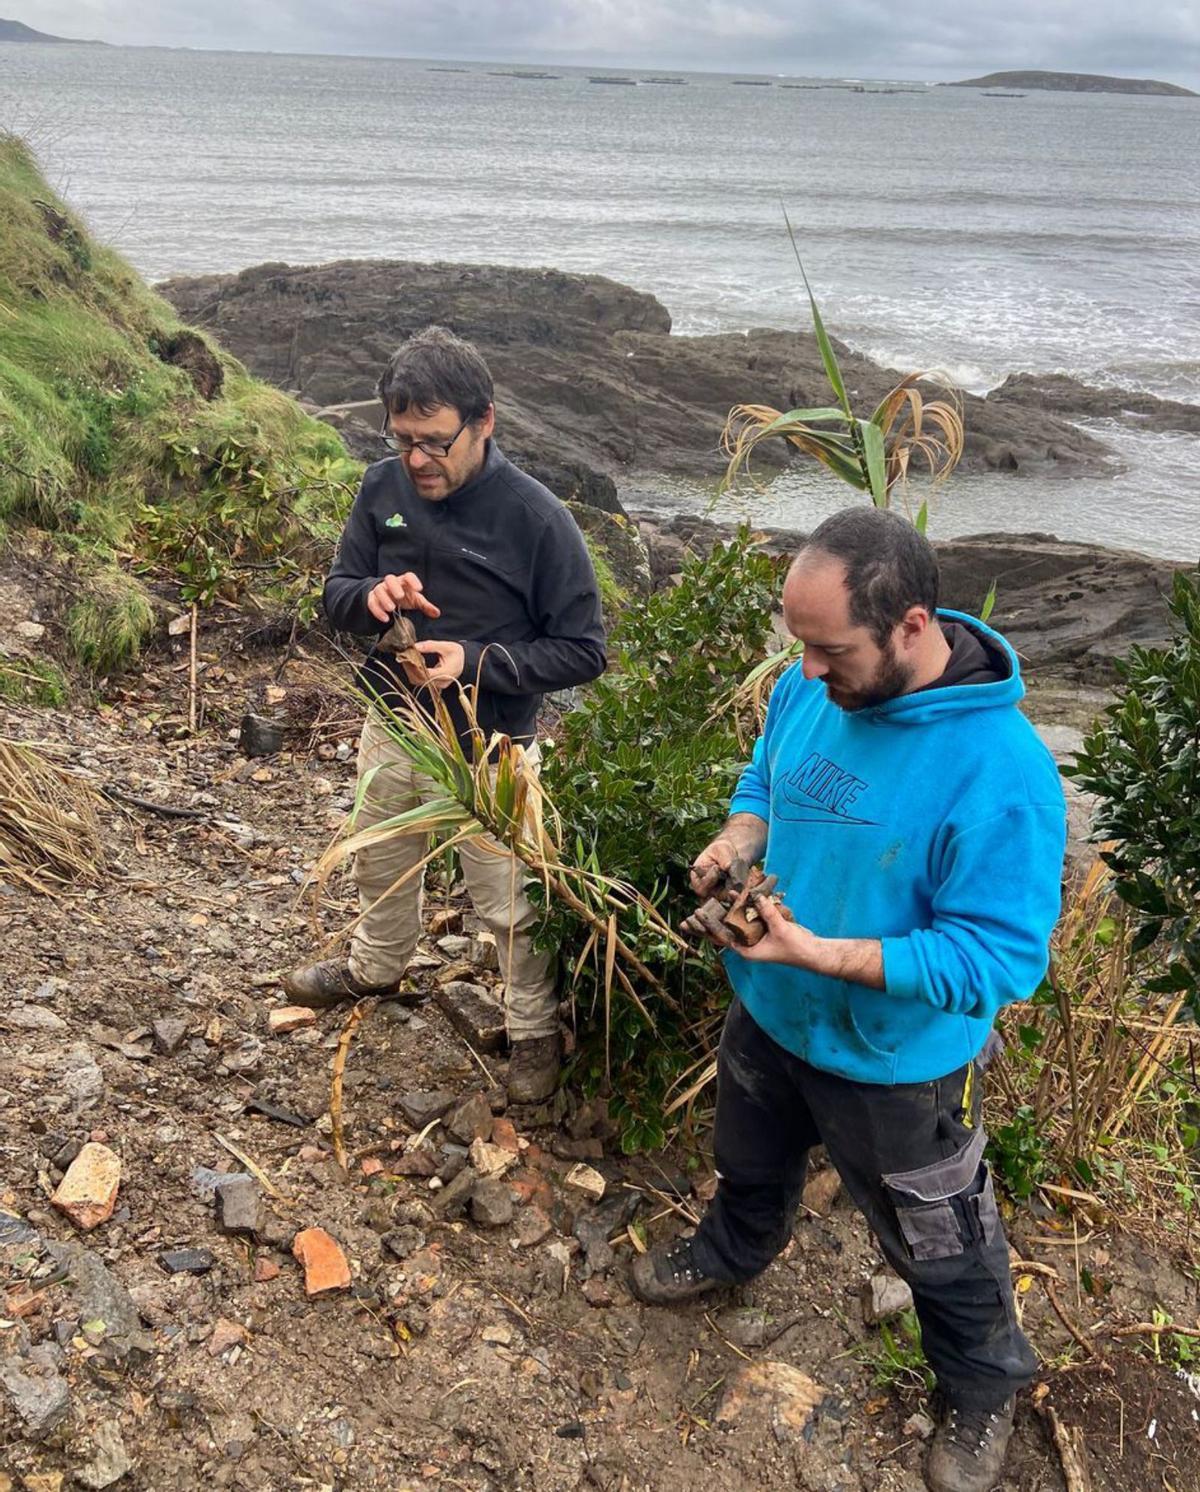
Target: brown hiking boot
{"x":328,"y":983}
{"x":969,"y":1448}
{"x":534,"y":1069}
{"x":669,"y":1274}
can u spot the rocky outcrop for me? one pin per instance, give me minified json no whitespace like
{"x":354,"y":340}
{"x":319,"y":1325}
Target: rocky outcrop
{"x":1055,"y":393}
{"x":590,"y":383}
{"x":1070,"y":610}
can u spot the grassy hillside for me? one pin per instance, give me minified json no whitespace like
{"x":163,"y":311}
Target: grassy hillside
{"x":132,"y":449}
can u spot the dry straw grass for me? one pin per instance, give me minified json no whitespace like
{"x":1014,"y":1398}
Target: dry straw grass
{"x":487,"y":796}
{"x":1109,"y":1070}
{"x":49,"y":831}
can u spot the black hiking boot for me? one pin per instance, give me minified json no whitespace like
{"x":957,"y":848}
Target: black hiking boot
{"x":534,"y":1069}
{"x":969,"y":1448}
{"x":320,"y":986}
{"x":668,"y":1274}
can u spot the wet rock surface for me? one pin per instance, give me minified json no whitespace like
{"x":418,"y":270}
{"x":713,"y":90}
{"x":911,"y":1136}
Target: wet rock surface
{"x":1070,"y":610}
{"x":590,"y":383}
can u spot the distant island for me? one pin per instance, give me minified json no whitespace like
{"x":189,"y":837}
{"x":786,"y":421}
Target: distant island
{"x":1074,"y":83}
{"x":18,"y":31}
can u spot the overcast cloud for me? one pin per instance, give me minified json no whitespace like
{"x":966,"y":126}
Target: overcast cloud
{"x":859,"y":38}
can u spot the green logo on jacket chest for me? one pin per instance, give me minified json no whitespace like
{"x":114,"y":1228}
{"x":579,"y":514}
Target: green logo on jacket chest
{"x":395,"y":521}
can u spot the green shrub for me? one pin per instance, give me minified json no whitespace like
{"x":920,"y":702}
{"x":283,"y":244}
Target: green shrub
{"x":1142,"y":762}
{"x":642,"y":774}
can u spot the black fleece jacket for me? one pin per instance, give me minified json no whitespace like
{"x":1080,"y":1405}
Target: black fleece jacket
{"x":508,"y":567}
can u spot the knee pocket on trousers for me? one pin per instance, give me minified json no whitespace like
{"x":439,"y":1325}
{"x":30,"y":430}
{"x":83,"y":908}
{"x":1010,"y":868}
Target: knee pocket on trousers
{"x":938,"y":1213}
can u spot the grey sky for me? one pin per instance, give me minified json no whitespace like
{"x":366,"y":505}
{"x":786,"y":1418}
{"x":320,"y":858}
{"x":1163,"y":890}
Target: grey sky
{"x":867,"y":38}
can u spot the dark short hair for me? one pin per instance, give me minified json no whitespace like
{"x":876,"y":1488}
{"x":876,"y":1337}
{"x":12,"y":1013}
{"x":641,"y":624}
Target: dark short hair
{"x":889,"y":565}
{"x":434,"y":367}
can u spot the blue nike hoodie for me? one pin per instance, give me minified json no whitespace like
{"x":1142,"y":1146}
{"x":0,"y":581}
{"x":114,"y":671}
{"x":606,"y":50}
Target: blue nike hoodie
{"x":934,"y":822}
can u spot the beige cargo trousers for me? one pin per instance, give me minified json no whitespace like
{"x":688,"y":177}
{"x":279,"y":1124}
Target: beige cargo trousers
{"x":386,"y":937}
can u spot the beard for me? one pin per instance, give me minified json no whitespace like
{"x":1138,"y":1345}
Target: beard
{"x":890,"y":678}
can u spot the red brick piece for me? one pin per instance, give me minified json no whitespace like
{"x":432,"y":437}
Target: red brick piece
{"x":87,"y":1194}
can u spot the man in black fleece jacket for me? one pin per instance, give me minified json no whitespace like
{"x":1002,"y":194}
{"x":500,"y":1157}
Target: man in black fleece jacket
{"x":494,"y":575}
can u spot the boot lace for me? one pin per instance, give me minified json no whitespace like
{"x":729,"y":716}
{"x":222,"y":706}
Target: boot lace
{"x":682,"y":1264}
{"x":973,"y":1430}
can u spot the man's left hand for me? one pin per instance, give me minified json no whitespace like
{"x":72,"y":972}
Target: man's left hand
{"x":784,"y":942}
{"x":445,"y":661}
{"x":856,"y":960}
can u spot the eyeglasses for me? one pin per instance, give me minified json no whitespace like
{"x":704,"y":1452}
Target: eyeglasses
{"x":403,"y":445}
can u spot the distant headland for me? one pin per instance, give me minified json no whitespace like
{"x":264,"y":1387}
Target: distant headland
{"x":1074,"y":83}
{"x":18,"y":31}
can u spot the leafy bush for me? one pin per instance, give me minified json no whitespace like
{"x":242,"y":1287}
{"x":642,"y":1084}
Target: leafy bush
{"x":1142,"y":762}
{"x":237,"y":514}
{"x":642,"y":773}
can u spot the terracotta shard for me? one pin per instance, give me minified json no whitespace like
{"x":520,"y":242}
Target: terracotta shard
{"x":324,"y":1263}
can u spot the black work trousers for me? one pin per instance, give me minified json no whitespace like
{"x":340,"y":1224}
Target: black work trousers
{"x":911,"y":1157}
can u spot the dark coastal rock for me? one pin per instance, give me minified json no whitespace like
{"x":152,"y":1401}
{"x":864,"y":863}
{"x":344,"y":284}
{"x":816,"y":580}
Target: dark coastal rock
{"x":1057,"y":394}
{"x":1069,"y":609}
{"x":590,"y":383}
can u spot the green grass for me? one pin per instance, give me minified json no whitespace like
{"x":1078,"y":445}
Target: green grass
{"x":115,"y":454}
{"x":136,"y":478}
{"x":895,"y":1356}
{"x":25,"y":682}
{"x":106,"y":629}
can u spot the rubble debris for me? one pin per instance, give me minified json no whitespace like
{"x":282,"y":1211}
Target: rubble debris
{"x":87,"y":1194}
{"x":491,"y":1203}
{"x":238,"y":1204}
{"x":533,"y":1227}
{"x":225,"y":1334}
{"x":595,"y":1227}
{"x":744,"y":1326}
{"x":885,"y":1296}
{"x":421,"y":1107}
{"x":98,"y":1294}
{"x":586,"y":1179}
{"x":422,"y":1160}
{"x":169,"y":1035}
{"x":187,"y":1261}
{"x":80,"y":1078}
{"x":451,"y":1201}
{"x":772,"y":1392}
{"x":38,"y":1394}
{"x":259,"y":736}
{"x":273,"y":1111}
{"x":473,"y":1013}
{"x":471,"y":1120}
{"x":821,"y":1190}
{"x":285,"y":1018}
{"x":111,"y":1461}
{"x":490,"y":1160}
{"x":402,"y":1241}
{"x":325,"y":1266}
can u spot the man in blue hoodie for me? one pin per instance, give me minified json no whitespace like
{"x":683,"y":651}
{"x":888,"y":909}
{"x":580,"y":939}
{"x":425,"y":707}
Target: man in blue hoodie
{"x":917,"y":827}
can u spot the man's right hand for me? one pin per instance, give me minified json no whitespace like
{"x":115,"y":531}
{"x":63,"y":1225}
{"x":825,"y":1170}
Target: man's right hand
{"x":399,"y":593}
{"x":711,"y":865}
{"x":744,"y":837}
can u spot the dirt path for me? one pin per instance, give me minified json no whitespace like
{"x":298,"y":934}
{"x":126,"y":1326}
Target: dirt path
{"x":477,"y":1351}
